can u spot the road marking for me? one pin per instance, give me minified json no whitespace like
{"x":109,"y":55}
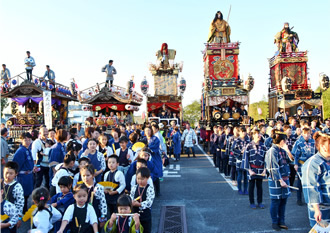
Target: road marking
{"x":291,"y":229}
{"x":211,"y":161}
{"x":172,"y":171}
{"x":177,"y":167}
{"x":171,"y":166}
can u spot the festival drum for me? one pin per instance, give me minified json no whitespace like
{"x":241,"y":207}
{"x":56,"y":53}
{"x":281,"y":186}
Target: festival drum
{"x":246,"y":120}
{"x":110,"y":121}
{"x":31,"y":121}
{"x":11,"y":122}
{"x":216,"y":114}
{"x":22,"y":121}
{"x":236,"y":115}
{"x":226,"y":116}
{"x":100,"y":122}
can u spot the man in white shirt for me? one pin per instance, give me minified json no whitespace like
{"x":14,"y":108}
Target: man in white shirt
{"x":190,"y":139}
{"x":30,"y":63}
{"x":162,"y":146}
{"x":38,"y":147}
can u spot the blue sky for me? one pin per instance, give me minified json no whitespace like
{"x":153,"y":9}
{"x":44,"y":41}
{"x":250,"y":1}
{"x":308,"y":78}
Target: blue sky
{"x":76,"y":38}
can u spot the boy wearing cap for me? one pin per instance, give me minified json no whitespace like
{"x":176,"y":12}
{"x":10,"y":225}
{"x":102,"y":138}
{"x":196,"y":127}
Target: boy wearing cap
{"x":110,"y":71}
{"x":30,"y":63}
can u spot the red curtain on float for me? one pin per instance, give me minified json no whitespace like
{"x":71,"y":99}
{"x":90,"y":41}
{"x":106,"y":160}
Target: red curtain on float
{"x":155,"y":106}
{"x":114,"y":107}
{"x":297,"y":72}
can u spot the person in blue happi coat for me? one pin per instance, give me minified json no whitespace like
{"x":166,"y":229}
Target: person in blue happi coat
{"x":176,"y":139}
{"x":303,"y":149}
{"x":316,"y":180}
{"x":254,"y":162}
{"x":277,"y":164}
{"x":23,"y":157}
{"x":153,"y":145}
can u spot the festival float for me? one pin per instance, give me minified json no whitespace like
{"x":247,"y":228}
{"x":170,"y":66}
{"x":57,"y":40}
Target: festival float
{"x":110,"y":104}
{"x":289,"y":84}
{"x":166,"y":96}
{"x":223,"y":88}
{"x":36,"y":97}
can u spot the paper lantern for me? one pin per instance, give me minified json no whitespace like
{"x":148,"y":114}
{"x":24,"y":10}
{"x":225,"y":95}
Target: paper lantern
{"x":14,"y":82}
{"x":324,"y":81}
{"x":182,"y":85}
{"x":43,"y":84}
{"x":36,"y":81}
{"x":51,"y":87}
{"x":145,"y":86}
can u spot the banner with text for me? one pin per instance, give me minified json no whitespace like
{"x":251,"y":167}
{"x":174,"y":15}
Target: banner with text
{"x":48,"y":108}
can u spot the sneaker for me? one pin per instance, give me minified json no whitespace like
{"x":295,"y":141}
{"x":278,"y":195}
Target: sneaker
{"x":246,"y":193}
{"x":300,"y":203}
{"x":161,"y":179}
{"x":276,"y":227}
{"x":253,"y":206}
{"x":240,"y":192}
{"x":283,"y":226}
{"x":261,"y":206}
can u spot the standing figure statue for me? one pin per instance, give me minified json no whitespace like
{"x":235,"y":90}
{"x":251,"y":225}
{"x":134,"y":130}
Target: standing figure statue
{"x":164,"y":56}
{"x":287,"y":40}
{"x":219,"y":30}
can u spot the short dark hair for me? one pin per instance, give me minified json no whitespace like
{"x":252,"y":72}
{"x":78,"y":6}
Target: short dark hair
{"x":73,"y":131}
{"x":25,"y":135}
{"x":83,"y":158}
{"x":110,"y":61}
{"x":50,"y":142}
{"x":73,"y":145}
{"x":52,"y":129}
{"x":90,"y":168}
{"x":4,"y":131}
{"x":123,"y":139}
{"x":142,"y":161}
{"x":114,"y":156}
{"x":124,"y":200}
{"x":65,"y":181}
{"x":47,"y":66}
{"x":144,"y":171}
{"x":79,"y":187}
{"x":27,"y":51}
{"x":12,"y":165}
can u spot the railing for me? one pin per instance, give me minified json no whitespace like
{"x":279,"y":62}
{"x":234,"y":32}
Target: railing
{"x":116,"y":90}
{"x":39,"y":82}
{"x":287,"y":55}
{"x":233,"y":45}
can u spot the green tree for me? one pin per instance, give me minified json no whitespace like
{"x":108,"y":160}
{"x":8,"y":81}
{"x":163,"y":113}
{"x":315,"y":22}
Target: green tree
{"x":253,"y":110}
{"x":4,"y":104}
{"x":325,"y":102}
{"x":192,"y":113}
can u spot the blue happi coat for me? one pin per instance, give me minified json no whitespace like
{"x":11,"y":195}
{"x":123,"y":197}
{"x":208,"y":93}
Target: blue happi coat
{"x":254,"y":159}
{"x":303,"y":150}
{"x":238,"y":149}
{"x":316,"y":186}
{"x":277,"y":164}
{"x":153,"y":144}
{"x":232,"y":158}
{"x":56,"y":156}
{"x":176,"y":139}
{"x":25,"y":162}
{"x":268,"y":142}
{"x":132,"y":171}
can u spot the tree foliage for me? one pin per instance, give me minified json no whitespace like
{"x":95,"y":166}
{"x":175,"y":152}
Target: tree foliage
{"x":325,"y":102}
{"x":253,"y":110}
{"x":4,"y":104}
{"x":192,"y":112}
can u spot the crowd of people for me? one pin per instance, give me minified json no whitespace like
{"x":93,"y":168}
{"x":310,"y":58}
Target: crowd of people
{"x":87,"y":180}
{"x":294,"y":154}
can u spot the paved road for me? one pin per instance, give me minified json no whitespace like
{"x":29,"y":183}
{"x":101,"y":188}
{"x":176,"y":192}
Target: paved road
{"x":213,"y":206}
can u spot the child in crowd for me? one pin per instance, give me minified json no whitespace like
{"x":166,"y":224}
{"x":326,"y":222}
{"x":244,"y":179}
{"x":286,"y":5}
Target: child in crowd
{"x":81,"y":215}
{"x":141,"y":163}
{"x":96,"y":195}
{"x":63,"y":199}
{"x":117,"y":178}
{"x":63,"y":170}
{"x":104,"y":149}
{"x":96,"y":158}
{"x":23,"y":158}
{"x":83,"y":161}
{"x":124,"y":221}
{"x":13,"y":191}
{"x":9,"y":209}
{"x":45,"y":216}
{"x":114,"y":141}
{"x":176,"y":139}
{"x":125,"y":155}
{"x":143,"y":196}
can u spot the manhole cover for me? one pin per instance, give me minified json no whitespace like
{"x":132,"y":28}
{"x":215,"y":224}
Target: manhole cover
{"x":173,"y":220}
